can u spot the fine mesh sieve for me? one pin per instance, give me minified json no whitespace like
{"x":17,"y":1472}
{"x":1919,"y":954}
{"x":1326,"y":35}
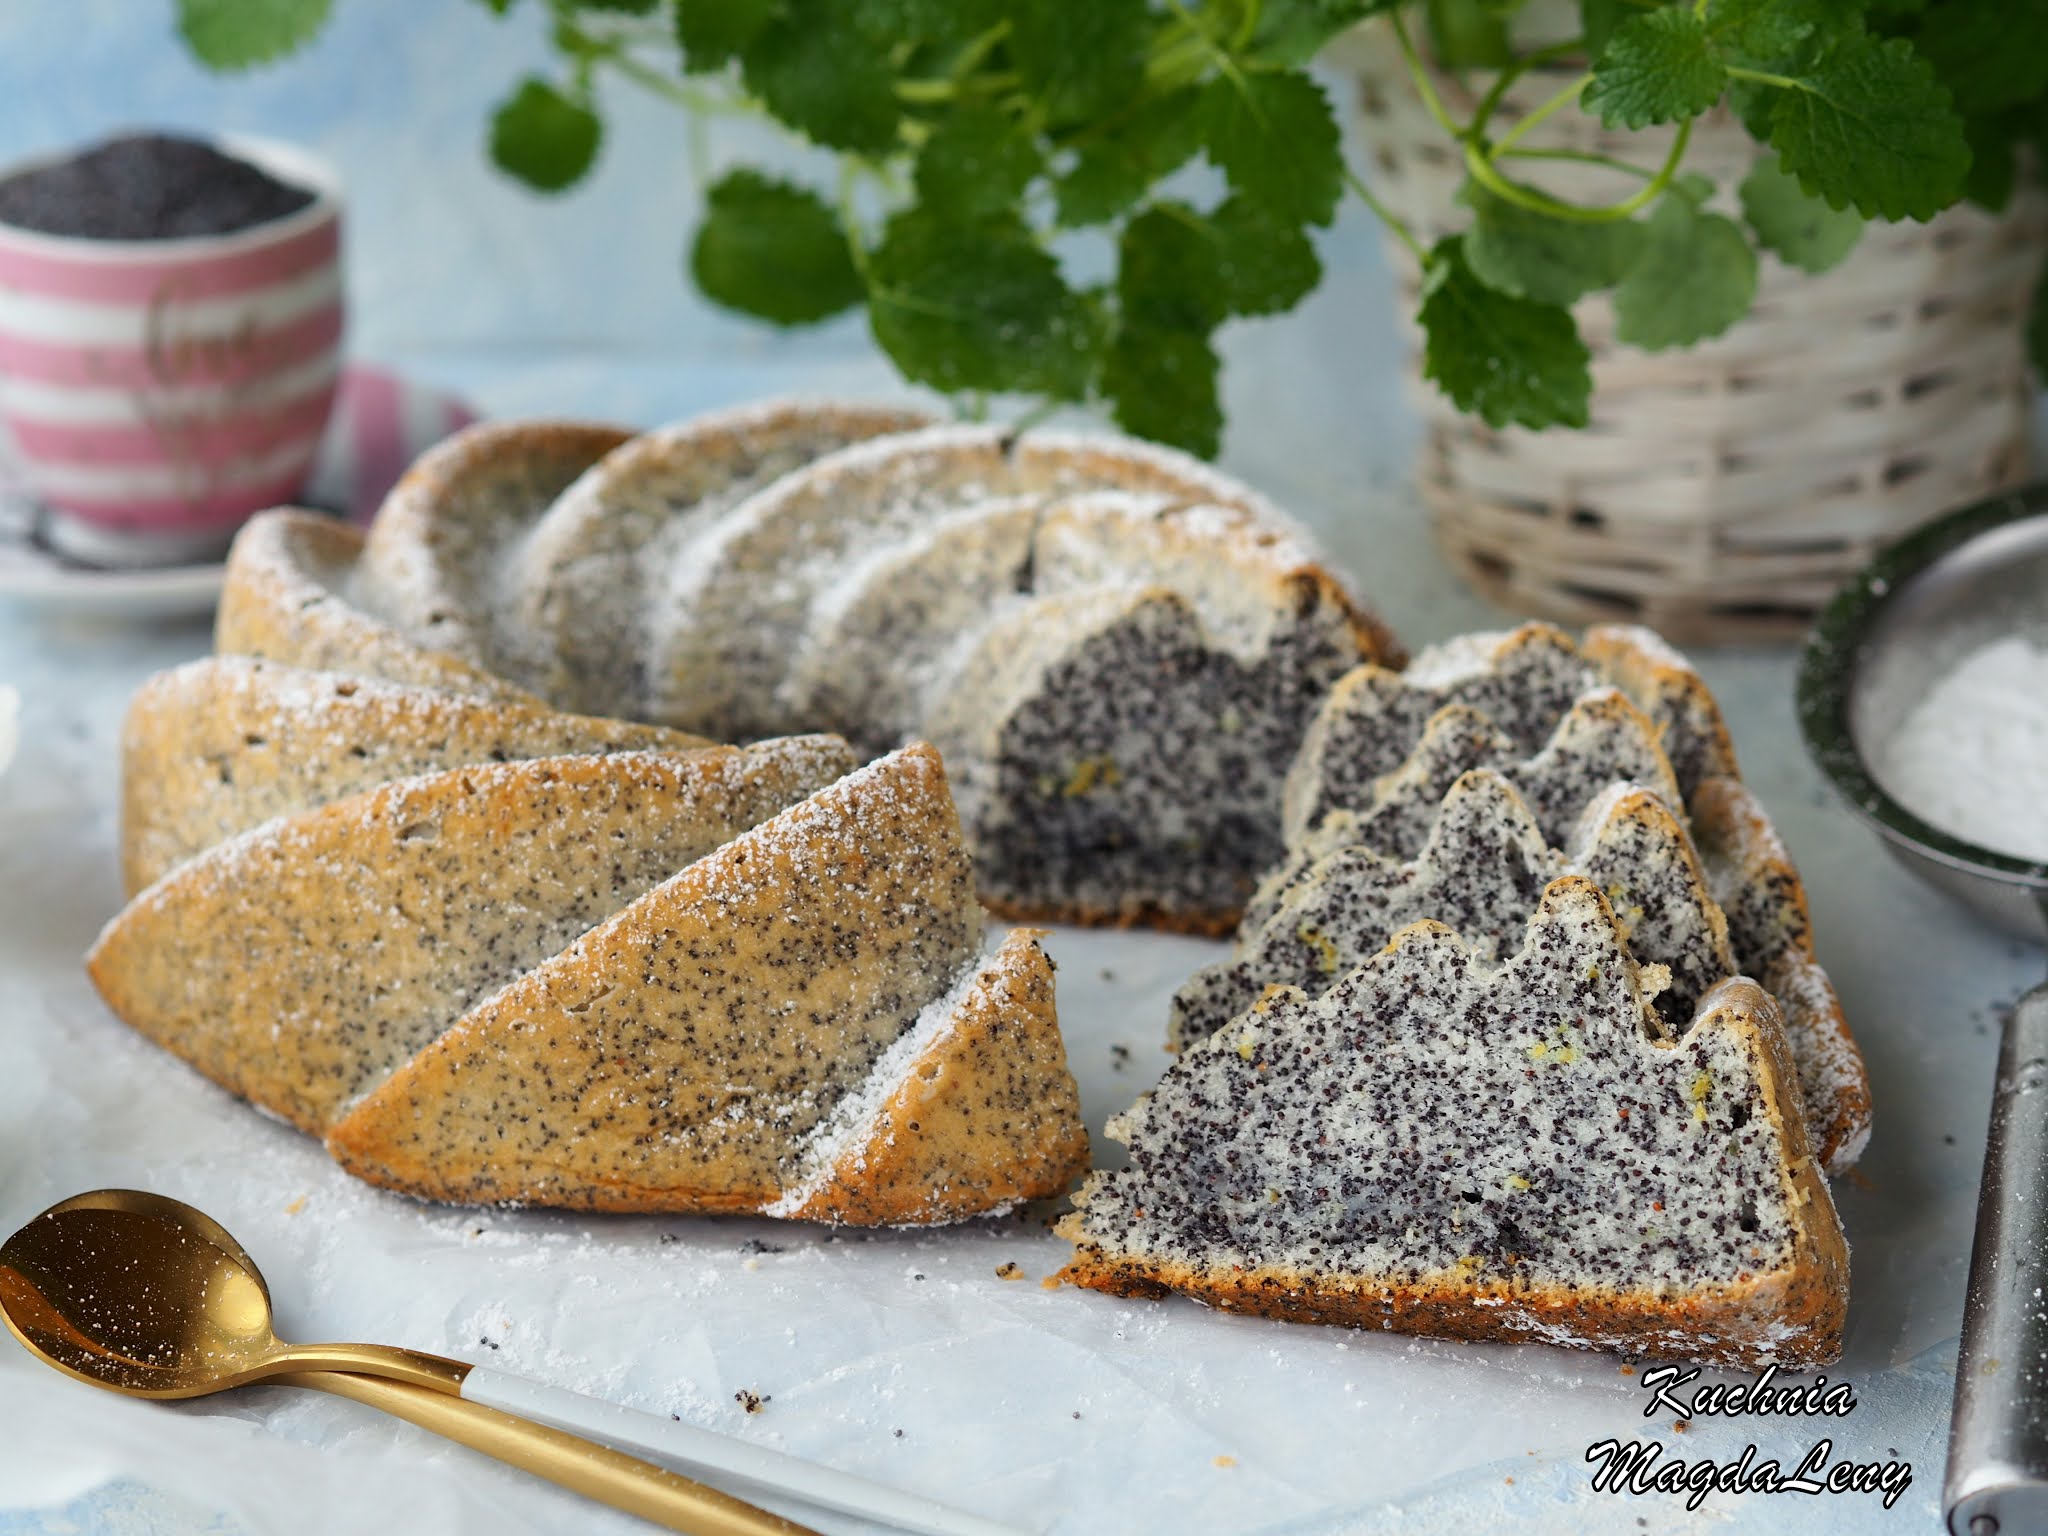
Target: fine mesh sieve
{"x":1973,"y":577}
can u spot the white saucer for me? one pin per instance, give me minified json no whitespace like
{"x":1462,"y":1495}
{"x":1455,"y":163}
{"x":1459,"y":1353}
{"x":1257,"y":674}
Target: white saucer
{"x":380,"y":424}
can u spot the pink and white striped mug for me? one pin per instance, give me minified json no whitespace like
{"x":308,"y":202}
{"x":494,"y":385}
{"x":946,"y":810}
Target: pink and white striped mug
{"x":158,"y":393}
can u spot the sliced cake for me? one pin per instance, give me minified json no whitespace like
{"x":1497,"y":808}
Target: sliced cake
{"x":708,"y":1046}
{"x":1440,"y":1145}
{"x":1522,"y":681}
{"x":287,"y":596}
{"x":218,"y":746}
{"x":439,"y":557}
{"x":304,"y":961}
{"x":577,"y":622}
{"x":800,"y":567}
{"x":1481,"y":872}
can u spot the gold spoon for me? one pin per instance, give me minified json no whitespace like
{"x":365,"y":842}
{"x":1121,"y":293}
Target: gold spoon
{"x":144,"y":1295}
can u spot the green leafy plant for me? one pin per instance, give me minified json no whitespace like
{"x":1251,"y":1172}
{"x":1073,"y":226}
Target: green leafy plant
{"x":978,"y":155}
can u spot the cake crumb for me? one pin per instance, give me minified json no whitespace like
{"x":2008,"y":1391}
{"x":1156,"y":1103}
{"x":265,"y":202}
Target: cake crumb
{"x":753,"y":1402}
{"x":296,"y":1206}
{"x":1226,"y":1461}
{"x":1009,"y":1270}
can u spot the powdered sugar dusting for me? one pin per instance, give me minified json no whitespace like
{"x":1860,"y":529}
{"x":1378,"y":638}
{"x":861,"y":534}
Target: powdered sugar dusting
{"x":1971,"y":756}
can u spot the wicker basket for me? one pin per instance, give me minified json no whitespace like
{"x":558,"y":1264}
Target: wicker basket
{"x":1721,"y":492}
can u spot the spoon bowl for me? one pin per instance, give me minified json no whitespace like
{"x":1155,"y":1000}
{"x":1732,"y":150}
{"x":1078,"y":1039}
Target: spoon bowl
{"x":137,"y":1293}
{"x":143,"y":1294}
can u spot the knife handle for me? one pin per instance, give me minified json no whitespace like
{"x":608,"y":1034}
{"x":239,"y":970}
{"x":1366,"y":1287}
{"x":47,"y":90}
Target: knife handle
{"x":1997,"y":1482}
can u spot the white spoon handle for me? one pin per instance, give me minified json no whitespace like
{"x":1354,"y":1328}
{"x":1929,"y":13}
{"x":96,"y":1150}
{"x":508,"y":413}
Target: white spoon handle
{"x":677,"y":1444}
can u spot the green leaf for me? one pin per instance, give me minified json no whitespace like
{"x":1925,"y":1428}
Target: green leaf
{"x":1991,"y":56}
{"x":240,"y":34}
{"x":1275,"y":138}
{"x":1117,"y":163}
{"x":1801,"y":230}
{"x":1080,"y":58}
{"x":542,"y":137}
{"x":1769,"y":31}
{"x":1163,"y":385}
{"x":1599,"y":18}
{"x":978,"y":306}
{"x":1169,"y":273}
{"x":825,"y":74}
{"x":1867,"y":125}
{"x":1467,"y":34}
{"x":1535,"y":256}
{"x":1994,"y":164}
{"x":715,"y":32}
{"x":1695,"y":278}
{"x":1658,"y":67}
{"x":943,"y":24}
{"x":1291,"y":32}
{"x":1266,"y":265}
{"x":624,"y":7}
{"x":978,"y":160}
{"x":1504,"y":359}
{"x":774,"y":250}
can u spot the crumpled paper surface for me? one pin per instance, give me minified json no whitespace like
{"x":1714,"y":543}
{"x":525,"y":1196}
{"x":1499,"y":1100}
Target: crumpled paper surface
{"x":900,"y":1356}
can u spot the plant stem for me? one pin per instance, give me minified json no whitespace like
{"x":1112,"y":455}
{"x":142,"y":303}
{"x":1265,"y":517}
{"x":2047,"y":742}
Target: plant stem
{"x":1513,"y":72}
{"x":1386,"y":216}
{"x":648,"y":78}
{"x":1576,"y":156}
{"x":1423,"y":84}
{"x":1783,"y":82}
{"x":1488,"y":176}
{"x":849,"y":217}
{"x":1530,"y":119}
{"x":927,"y":90}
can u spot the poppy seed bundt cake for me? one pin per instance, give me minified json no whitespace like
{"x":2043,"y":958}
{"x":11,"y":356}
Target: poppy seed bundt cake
{"x":1116,"y":648}
{"x":730,"y":979}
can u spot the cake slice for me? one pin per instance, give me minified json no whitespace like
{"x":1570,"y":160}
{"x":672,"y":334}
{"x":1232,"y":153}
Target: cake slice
{"x":1522,"y":681}
{"x":1482,"y":871}
{"x":301,"y":963}
{"x":220,"y":745}
{"x":695,"y":1051}
{"x":884,"y":630}
{"x":1436,"y":1145}
{"x":438,"y":559}
{"x":1752,"y":877}
{"x":972,"y":1110}
{"x":573,"y":623}
{"x":1601,"y":739}
{"x":287,"y":595}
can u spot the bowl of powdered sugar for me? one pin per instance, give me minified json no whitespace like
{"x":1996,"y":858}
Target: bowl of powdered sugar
{"x":1924,"y":697}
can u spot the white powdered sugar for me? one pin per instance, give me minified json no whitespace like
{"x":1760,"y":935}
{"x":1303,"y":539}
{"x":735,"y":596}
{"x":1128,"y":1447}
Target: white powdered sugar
{"x":1971,"y":757}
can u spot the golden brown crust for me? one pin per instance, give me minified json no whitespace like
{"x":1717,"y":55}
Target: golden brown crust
{"x":282,"y":599}
{"x":985,"y":1116}
{"x":218,"y":746}
{"x":1147,"y":914}
{"x":1793,"y":1316}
